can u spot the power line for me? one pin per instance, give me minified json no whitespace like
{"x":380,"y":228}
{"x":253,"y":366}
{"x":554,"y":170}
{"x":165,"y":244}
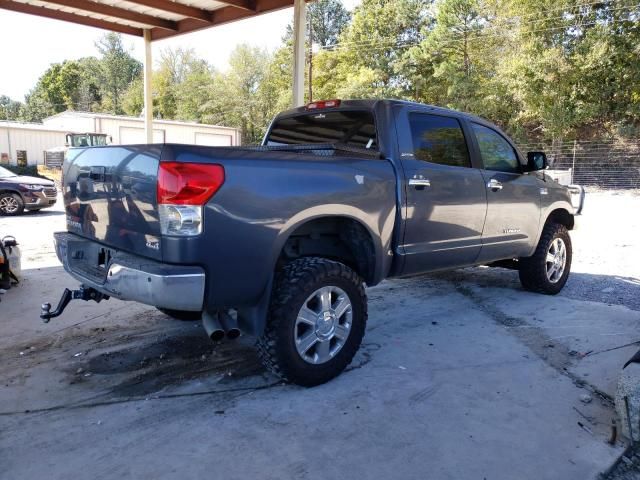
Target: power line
{"x":404,"y":44}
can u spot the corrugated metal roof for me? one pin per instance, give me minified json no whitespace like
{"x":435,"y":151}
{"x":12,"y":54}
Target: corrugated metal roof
{"x":165,"y":18}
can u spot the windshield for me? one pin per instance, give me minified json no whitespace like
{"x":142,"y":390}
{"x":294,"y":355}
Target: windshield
{"x":355,"y":128}
{"x":99,"y":140}
{"x":80,"y":141}
{"x":4,"y":173}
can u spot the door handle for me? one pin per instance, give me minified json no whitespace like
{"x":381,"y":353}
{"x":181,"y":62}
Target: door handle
{"x":419,"y":182}
{"x":494,"y":184}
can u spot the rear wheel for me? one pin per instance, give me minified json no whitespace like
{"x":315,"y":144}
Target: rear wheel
{"x":183,"y":315}
{"x":317,"y":319}
{"x":547,"y":270}
{"x":11,"y":204}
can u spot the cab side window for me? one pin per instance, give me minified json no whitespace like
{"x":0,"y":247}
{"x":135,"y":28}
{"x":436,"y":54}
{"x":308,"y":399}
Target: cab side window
{"x":497,"y":154}
{"x":438,"y":139}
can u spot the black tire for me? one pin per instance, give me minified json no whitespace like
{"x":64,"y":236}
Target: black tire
{"x":533,"y":270}
{"x":183,"y":315}
{"x":293,"y":286}
{"x":7,"y":202}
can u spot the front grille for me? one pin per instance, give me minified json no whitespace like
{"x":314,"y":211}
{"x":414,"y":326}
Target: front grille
{"x":50,"y":192}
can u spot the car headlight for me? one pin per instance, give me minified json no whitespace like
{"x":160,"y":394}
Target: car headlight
{"x":31,"y":187}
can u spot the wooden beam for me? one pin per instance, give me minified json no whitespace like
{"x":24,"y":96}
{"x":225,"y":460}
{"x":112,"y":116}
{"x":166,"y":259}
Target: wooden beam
{"x":222,"y":16}
{"x":147,"y":94}
{"x":104,"y":9}
{"x":177,"y":8}
{"x":244,"y":4}
{"x":68,"y":17}
{"x":299,"y":31}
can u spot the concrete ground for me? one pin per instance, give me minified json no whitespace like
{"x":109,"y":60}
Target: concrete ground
{"x":461,"y":375}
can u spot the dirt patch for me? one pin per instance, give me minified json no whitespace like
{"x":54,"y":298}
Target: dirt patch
{"x":118,"y":361}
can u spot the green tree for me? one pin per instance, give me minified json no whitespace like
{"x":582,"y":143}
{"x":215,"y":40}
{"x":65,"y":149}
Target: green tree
{"x":327,"y":19}
{"x":370,"y":50}
{"x":70,"y":85}
{"x":9,"y":109}
{"x":117,"y":70}
{"x":243,"y":97}
{"x":451,"y":67}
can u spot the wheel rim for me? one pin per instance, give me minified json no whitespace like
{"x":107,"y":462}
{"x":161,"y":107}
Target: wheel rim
{"x":8,"y":205}
{"x":323,"y":325}
{"x":556,"y":260}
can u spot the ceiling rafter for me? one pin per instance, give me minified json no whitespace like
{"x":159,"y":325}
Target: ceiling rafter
{"x":69,"y":17}
{"x":121,"y":13}
{"x":244,"y":4}
{"x":222,"y":16}
{"x":176,"y":8}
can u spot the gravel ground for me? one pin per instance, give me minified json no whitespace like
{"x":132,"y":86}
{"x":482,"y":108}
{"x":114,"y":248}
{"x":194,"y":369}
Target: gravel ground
{"x":606,"y":261}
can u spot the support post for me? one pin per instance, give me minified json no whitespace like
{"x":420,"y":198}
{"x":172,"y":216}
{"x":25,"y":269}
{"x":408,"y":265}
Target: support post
{"x":299,"y":28}
{"x":148,"y":98}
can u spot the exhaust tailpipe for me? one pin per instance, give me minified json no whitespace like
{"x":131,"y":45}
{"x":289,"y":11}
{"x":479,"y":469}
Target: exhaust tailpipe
{"x":212,"y":326}
{"x":230,"y":325}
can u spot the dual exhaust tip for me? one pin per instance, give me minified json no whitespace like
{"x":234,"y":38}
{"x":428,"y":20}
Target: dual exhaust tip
{"x":220,"y":325}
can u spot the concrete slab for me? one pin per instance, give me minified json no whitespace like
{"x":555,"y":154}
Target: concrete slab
{"x":461,"y":375}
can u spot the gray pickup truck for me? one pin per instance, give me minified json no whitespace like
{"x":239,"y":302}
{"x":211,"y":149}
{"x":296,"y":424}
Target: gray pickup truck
{"x":278,"y":241}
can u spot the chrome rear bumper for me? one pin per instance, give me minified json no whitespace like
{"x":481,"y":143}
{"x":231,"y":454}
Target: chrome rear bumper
{"x":130,"y":277}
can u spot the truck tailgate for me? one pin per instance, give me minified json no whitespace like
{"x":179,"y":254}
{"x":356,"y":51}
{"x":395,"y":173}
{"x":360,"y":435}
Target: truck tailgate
{"x":110,"y":196}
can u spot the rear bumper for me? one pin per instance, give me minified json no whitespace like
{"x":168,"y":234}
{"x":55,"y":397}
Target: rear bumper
{"x":130,"y":277}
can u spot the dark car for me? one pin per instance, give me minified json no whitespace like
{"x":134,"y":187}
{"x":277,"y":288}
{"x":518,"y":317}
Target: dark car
{"x":20,"y":192}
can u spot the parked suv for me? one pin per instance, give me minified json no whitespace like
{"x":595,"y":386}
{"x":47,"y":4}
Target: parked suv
{"x":279,"y":241}
{"x":20,"y":192}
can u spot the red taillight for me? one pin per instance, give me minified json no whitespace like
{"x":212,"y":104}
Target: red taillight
{"x":323,"y":104}
{"x":188,"y":183}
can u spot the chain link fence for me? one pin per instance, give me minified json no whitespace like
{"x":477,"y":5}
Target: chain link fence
{"x":603,"y":164}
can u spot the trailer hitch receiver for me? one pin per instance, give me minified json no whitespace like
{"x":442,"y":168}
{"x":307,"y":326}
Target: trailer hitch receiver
{"x":83,"y":293}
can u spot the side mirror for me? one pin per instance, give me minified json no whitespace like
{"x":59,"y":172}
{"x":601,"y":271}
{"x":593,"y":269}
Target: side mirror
{"x":536,"y":161}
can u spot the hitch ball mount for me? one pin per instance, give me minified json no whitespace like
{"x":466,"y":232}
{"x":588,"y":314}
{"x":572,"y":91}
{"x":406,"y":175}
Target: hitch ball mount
{"x":83,"y":293}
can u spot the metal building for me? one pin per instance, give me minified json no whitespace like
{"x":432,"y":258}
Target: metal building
{"x":31,"y":140}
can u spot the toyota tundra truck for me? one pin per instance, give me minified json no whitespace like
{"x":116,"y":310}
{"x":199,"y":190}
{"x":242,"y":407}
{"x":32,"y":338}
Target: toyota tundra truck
{"x":278,"y":241}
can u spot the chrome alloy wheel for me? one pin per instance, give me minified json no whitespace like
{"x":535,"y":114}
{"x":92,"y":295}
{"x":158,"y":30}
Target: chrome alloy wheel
{"x":556,"y":260}
{"x":9,"y":204}
{"x":323,"y":325}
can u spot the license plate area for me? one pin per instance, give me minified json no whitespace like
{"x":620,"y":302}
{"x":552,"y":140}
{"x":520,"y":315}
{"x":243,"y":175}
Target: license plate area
{"x":90,"y":259}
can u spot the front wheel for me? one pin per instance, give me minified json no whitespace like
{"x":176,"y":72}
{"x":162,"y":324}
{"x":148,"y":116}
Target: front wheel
{"x":11,"y":204}
{"x":316,"y":322}
{"x":547,"y":270}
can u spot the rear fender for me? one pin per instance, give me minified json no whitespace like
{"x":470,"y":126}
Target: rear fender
{"x":253,"y":319}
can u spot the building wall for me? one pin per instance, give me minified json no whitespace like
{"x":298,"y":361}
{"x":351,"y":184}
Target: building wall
{"x":36,"y":138}
{"x":35,"y":141}
{"x":125,"y":130}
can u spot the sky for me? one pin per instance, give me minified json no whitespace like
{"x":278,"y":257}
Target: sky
{"x":29,"y":44}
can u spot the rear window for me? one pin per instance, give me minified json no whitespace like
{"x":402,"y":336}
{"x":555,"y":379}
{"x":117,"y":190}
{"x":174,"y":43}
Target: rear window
{"x":353,"y":128}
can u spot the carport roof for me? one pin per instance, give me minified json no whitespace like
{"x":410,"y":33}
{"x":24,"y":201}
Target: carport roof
{"x":164,"y":18}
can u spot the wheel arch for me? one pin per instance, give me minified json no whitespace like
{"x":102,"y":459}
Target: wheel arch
{"x":336,"y":237}
{"x":372,"y":266}
{"x":562,"y":216}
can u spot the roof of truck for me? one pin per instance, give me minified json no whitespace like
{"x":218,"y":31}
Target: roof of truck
{"x":370,"y":104}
